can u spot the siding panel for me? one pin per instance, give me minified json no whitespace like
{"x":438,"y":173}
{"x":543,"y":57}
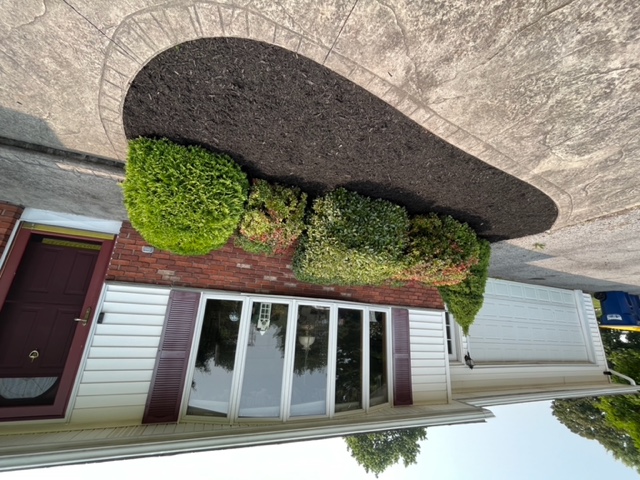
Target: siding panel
{"x":113,"y":388}
{"x":122,"y":355}
{"x":594,"y":330}
{"x":122,"y":341}
{"x":98,"y":401}
{"x":129,"y":330}
{"x":117,"y":376}
{"x":122,"y":352}
{"x":130,"y":319}
{"x":429,"y":357}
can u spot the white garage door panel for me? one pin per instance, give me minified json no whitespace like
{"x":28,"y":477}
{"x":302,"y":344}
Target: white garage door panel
{"x":527,"y":323}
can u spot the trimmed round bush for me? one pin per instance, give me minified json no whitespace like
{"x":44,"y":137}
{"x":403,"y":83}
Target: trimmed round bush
{"x":186,"y":200}
{"x":441,"y":251}
{"x":465,"y":299}
{"x":273,"y":218}
{"x":352,"y":240}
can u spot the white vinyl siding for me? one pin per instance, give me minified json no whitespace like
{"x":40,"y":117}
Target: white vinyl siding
{"x":467,"y":383}
{"x":114,"y":383}
{"x":594,"y":331}
{"x":528,"y":323}
{"x":429,"y":357}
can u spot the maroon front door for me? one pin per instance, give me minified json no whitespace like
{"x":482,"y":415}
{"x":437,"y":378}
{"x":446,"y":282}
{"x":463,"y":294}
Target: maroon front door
{"x":49,"y":287}
{"x":37,"y":321}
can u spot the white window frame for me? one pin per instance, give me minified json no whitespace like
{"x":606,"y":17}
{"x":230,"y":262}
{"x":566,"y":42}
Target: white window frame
{"x":287,"y":380}
{"x":452,"y":332}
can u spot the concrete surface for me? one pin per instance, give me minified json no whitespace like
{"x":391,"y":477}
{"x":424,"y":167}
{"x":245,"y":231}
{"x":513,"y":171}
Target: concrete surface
{"x":599,"y":255}
{"x":55,"y":183}
{"x":546,"y":90}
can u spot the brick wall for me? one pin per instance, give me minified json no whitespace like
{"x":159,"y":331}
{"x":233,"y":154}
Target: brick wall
{"x":9,"y":215}
{"x":233,"y":269}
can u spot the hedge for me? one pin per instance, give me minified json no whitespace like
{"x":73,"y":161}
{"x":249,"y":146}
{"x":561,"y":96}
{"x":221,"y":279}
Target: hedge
{"x":441,"y":251}
{"x":352,"y":240}
{"x":465,"y":299}
{"x":186,"y":200}
{"x":273,"y":219}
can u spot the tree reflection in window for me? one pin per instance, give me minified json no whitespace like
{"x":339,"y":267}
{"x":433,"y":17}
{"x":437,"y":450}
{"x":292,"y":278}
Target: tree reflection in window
{"x":309,"y":385}
{"x":261,"y":392}
{"x":349,"y":360}
{"x":211,"y":385}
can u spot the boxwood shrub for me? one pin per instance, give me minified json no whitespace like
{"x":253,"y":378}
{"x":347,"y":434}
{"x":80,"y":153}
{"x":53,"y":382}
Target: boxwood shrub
{"x":186,"y":200}
{"x":441,"y":251}
{"x":273,"y":218}
{"x":352,"y":240}
{"x":465,"y":299}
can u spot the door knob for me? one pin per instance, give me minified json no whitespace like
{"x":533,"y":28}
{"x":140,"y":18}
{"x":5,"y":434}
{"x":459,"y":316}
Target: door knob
{"x":85,"y":319}
{"x":34,"y":354}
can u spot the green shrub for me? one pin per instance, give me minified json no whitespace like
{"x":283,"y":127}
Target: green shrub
{"x":465,"y":299}
{"x":441,"y":251}
{"x":183,"y":199}
{"x":352,"y":240}
{"x":273,"y":219}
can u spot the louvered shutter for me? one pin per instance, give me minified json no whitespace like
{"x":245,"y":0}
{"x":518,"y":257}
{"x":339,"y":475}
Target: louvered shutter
{"x":172,"y":361}
{"x":402,"y":390}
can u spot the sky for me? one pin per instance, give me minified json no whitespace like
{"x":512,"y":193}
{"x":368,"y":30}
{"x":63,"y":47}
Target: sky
{"x":523,"y":442}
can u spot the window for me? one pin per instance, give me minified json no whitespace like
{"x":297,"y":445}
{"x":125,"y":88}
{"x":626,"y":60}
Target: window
{"x":213,"y":376}
{"x":452,"y":347}
{"x":279,"y":359}
{"x":261,"y":391}
{"x":309,"y":384}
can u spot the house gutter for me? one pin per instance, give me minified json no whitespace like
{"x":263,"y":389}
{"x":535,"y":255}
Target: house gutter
{"x":547,"y":396}
{"x":147,"y":446}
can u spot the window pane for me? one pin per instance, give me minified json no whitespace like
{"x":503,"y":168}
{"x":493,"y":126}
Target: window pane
{"x":211,"y":384}
{"x":263,"y":370}
{"x":349,"y":360}
{"x":309,"y":388}
{"x":378,"y":389}
{"x":449,"y":340}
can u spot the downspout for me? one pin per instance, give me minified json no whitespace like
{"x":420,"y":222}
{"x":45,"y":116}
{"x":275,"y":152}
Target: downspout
{"x":618,"y":374}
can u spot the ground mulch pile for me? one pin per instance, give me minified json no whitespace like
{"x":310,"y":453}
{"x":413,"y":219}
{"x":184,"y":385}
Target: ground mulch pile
{"x":288,"y":119}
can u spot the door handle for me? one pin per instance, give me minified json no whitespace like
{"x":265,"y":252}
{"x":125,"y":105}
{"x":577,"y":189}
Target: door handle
{"x":84,"y":320}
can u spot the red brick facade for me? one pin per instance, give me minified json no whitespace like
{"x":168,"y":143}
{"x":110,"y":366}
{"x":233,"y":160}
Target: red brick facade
{"x":9,"y":215}
{"x":233,"y":269}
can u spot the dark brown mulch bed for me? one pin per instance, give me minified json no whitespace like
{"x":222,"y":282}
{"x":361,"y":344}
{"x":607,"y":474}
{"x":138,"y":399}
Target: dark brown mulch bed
{"x":288,"y":119}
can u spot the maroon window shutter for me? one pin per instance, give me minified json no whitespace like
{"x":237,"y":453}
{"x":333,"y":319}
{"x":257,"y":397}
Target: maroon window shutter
{"x":402,"y":390}
{"x":172,"y":361}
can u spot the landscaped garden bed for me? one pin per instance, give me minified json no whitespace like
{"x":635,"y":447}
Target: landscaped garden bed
{"x":391,"y":203}
{"x":289,"y":120}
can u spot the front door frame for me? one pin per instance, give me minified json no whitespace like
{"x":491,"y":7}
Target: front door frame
{"x":7,"y":275}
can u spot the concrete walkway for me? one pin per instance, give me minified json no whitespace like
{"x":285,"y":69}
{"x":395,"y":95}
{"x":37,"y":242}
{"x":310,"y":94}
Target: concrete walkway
{"x":548,"y":91}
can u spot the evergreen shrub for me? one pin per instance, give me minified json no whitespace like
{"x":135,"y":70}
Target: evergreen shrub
{"x":186,"y":200}
{"x":441,"y":251}
{"x":273,"y":218}
{"x":352,"y":240}
{"x":465,"y":299}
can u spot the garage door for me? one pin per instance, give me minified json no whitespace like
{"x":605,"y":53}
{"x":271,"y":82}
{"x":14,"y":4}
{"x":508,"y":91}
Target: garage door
{"x":527,"y":323}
